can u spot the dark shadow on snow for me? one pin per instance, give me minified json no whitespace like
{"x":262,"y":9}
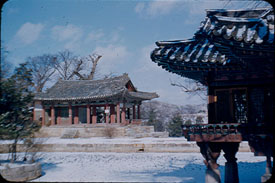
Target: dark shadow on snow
{"x":248,"y":172}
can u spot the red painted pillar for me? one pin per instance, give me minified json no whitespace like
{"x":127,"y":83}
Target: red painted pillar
{"x":118,"y":113}
{"x":43,"y":116}
{"x":88,"y":114}
{"x":52,"y":116}
{"x":76,"y":120}
{"x":70,"y":114}
{"x":123,"y":114}
{"x":94,"y":115}
{"x":113,"y":115}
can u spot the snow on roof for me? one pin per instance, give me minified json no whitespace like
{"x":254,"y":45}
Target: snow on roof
{"x":211,"y":46}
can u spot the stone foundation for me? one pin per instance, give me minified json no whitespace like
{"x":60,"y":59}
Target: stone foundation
{"x":99,"y":130}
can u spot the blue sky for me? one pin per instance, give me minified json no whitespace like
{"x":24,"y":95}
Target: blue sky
{"x":124,"y":32}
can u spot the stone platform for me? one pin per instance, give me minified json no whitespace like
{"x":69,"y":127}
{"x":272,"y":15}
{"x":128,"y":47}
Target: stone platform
{"x":99,"y":130}
{"x":173,"y":145}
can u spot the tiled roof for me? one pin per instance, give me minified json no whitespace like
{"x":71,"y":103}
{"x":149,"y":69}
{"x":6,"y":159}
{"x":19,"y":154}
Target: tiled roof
{"x":212,"y":46}
{"x":91,"y":90}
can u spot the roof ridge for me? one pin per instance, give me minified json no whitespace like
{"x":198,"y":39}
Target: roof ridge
{"x":124,"y":75}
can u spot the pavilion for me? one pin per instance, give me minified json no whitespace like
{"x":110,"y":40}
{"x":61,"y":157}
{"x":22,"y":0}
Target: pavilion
{"x":232,"y":53}
{"x":112,"y":100}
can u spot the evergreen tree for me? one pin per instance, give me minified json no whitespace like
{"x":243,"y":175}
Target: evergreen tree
{"x":154,"y":121}
{"x":188,"y":122}
{"x":175,"y":126}
{"x":15,"y":114}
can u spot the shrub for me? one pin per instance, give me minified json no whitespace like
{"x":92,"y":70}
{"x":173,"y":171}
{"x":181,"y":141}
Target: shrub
{"x":175,"y":126}
{"x":109,"y":131}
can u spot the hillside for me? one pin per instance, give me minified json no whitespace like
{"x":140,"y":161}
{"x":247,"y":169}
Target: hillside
{"x":165,"y":111}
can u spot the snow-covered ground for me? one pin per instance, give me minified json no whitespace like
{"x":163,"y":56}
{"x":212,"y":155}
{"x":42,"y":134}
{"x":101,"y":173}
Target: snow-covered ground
{"x":138,"y":167}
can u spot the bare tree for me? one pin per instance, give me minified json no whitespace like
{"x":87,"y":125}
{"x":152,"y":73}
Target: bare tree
{"x":42,"y":70}
{"x":67,"y":64}
{"x":191,"y":87}
{"x":94,"y":58}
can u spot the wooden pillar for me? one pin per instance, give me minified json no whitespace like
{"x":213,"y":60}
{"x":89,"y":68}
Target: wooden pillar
{"x":58,"y":116}
{"x":88,"y":114}
{"x":123,"y":114}
{"x":231,"y":166}
{"x":76,"y":120}
{"x":70,"y":114}
{"x":134,"y":112}
{"x":268,"y":170}
{"x":52,"y":116}
{"x":118,"y":113}
{"x":43,"y":116}
{"x":138,"y":112}
{"x":113,"y":115}
{"x":94,"y":115}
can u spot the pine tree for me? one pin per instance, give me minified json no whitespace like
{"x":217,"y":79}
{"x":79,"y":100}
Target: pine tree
{"x":15,"y":114}
{"x":175,"y":126}
{"x":154,"y":121}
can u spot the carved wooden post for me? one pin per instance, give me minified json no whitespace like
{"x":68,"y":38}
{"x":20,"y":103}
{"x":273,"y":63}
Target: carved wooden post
{"x":268,"y":170}
{"x":231,"y":167}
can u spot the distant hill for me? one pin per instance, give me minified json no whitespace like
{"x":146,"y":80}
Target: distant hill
{"x":165,"y":111}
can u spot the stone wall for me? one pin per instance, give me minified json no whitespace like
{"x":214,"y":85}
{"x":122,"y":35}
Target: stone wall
{"x":86,"y":131}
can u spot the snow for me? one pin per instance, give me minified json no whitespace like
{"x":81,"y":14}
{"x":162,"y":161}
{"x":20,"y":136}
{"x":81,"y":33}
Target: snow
{"x":202,"y":48}
{"x":241,"y":32}
{"x":250,"y":33}
{"x":138,"y":167}
{"x":230,"y":31}
{"x":234,"y":19}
